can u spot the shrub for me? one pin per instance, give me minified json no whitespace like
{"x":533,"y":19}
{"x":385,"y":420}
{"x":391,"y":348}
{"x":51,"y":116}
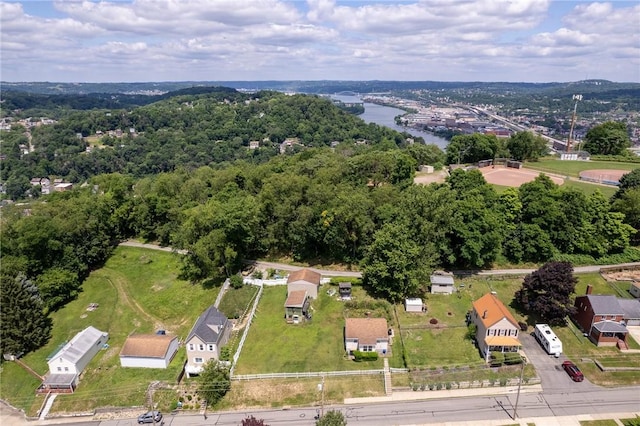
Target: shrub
{"x":365,"y":356}
{"x":503,"y":382}
{"x":523,"y":325}
{"x":448,"y":386}
{"x":257,"y":274}
{"x":496,"y":359}
{"x":433,"y":321}
{"x":236,"y":281}
{"x":512,"y":358}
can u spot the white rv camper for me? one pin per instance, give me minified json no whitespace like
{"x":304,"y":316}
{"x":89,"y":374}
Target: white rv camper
{"x":548,"y":339}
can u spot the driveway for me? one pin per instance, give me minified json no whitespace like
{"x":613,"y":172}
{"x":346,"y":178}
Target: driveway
{"x":553,"y":378}
{"x":634,"y":331}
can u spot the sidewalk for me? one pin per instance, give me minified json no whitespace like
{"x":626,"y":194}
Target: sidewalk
{"x":543,"y":421}
{"x":453,"y":393}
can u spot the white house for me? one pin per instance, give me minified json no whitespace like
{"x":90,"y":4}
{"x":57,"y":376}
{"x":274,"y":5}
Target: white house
{"x":66,"y":365}
{"x":496,"y":329}
{"x":441,"y":283}
{"x":210,"y":332}
{"x":366,"y":335}
{"x":148,"y":350}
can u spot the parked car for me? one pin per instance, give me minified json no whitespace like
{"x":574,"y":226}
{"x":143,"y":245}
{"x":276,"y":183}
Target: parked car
{"x":150,"y":417}
{"x":573,"y":371}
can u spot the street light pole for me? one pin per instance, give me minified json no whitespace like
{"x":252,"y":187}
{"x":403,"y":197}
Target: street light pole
{"x":515,"y":408}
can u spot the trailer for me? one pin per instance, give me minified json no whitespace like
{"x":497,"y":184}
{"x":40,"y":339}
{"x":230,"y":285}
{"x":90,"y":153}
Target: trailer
{"x":548,"y":340}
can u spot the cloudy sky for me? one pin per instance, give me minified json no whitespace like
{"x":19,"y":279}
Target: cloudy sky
{"x":443,"y":40}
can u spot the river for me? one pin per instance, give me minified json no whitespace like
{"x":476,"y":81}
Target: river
{"x":385,"y":116}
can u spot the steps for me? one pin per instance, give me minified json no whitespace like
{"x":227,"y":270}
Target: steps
{"x":387,"y":377}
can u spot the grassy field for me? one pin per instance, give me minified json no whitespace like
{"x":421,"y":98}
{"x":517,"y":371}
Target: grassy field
{"x":137,"y":291}
{"x":273,"y":346}
{"x":590,"y":188}
{"x":299,"y":392}
{"x":573,"y":168}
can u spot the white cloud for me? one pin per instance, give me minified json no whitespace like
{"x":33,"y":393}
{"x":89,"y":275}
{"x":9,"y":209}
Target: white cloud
{"x":517,"y":40}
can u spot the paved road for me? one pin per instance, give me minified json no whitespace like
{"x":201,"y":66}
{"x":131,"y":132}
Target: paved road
{"x":564,"y":408}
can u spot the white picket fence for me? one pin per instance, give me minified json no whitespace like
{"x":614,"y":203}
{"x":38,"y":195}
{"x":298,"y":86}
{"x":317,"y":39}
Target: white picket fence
{"x":246,"y":330}
{"x":306,"y":374}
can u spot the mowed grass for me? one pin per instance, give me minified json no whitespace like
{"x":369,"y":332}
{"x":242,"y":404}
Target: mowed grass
{"x":445,"y":344}
{"x":573,"y":168}
{"x":273,"y":346}
{"x":590,"y":188}
{"x":137,"y":291}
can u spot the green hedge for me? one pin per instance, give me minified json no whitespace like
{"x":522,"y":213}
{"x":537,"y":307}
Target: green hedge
{"x":365,"y":356}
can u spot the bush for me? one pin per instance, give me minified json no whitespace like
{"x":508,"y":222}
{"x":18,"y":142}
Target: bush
{"x":365,"y":356}
{"x":433,"y":321}
{"x":512,"y":358}
{"x":236,"y":281}
{"x":496,"y":359}
{"x":523,"y":326}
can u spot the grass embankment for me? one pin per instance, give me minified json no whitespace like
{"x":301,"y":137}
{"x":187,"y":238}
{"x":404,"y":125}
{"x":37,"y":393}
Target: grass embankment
{"x":138,"y":292}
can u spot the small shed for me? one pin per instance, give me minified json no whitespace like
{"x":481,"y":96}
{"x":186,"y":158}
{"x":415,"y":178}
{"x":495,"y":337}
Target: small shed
{"x":345,"y":291}
{"x":635,"y":289}
{"x":441,"y":282}
{"x":414,"y":305}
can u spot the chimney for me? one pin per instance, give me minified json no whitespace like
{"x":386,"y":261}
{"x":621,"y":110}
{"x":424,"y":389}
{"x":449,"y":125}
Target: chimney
{"x":484,"y":314}
{"x":589,"y":289}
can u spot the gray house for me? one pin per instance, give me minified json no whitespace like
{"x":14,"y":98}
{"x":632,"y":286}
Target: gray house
{"x":210,"y":332}
{"x":441,"y":282}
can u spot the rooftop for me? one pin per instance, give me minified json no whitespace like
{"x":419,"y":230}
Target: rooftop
{"x":490,"y":310}
{"x":147,"y":345}
{"x":366,"y":330}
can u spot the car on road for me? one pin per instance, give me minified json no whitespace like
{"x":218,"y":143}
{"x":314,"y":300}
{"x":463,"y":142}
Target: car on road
{"x":150,"y":417}
{"x":573,"y":371}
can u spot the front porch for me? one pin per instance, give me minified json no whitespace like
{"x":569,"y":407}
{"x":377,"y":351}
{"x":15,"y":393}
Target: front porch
{"x":502,"y":344}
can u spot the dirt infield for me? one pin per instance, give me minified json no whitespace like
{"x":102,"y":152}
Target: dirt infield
{"x":611,"y":177}
{"x":508,"y":176}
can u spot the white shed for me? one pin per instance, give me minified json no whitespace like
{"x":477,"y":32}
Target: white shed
{"x":441,"y":282}
{"x":413,"y":305}
{"x":635,"y":289}
{"x":76,"y":354}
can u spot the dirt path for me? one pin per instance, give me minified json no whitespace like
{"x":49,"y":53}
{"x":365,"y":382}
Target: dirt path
{"x":116,"y":280}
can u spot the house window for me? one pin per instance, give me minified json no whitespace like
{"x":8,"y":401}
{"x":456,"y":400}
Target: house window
{"x":201,"y":347}
{"x":59,"y":368}
{"x":211,"y":348}
{"x":66,"y":369}
{"x":191,"y":346}
{"x":197,"y":360}
{"x":367,"y":348}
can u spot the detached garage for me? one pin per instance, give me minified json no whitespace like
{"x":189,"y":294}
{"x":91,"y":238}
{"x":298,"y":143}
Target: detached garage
{"x":148,"y":350}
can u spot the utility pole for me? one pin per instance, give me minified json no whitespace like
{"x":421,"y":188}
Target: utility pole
{"x":515,"y":408}
{"x":153,"y":414}
{"x":573,"y":120}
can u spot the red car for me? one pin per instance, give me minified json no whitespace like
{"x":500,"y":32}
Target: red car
{"x":573,"y":371}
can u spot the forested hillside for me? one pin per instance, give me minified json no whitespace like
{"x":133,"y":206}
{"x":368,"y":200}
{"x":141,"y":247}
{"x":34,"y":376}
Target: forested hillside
{"x":187,"y":179}
{"x":187,"y":131}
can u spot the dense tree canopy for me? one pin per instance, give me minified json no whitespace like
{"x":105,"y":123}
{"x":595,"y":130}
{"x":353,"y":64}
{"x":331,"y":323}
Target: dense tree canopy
{"x":608,"y":138}
{"x":473,"y":148}
{"x":526,"y":146}
{"x":24,"y":326}
{"x":547,"y":292}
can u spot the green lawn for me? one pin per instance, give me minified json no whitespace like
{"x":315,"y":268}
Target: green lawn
{"x":445,"y":344}
{"x":573,"y":168}
{"x":150,"y":297}
{"x":274,"y":346}
{"x":236,"y":302}
{"x":590,"y":188}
